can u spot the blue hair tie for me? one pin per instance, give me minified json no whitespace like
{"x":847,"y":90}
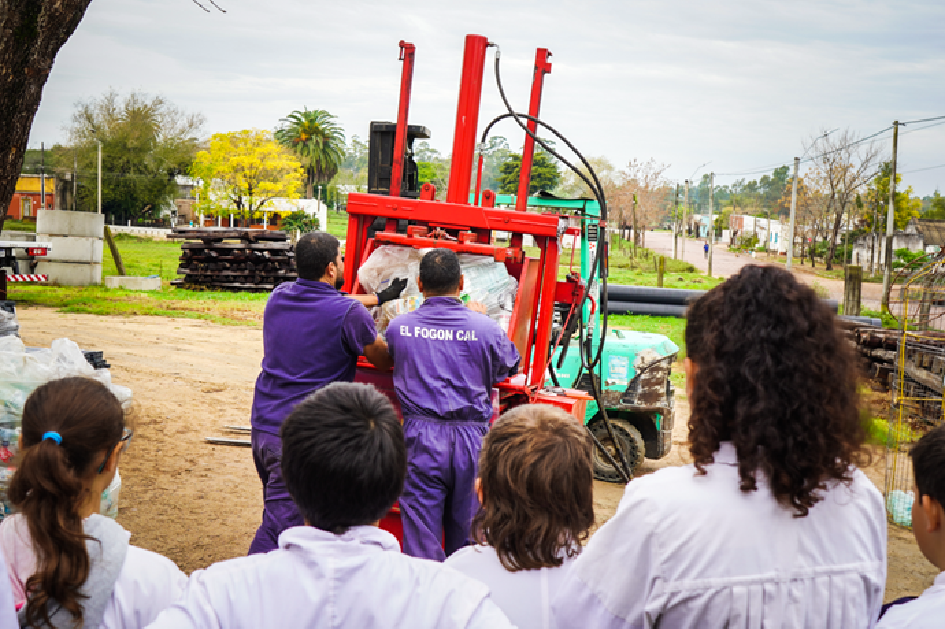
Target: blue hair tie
{"x":52,"y":435}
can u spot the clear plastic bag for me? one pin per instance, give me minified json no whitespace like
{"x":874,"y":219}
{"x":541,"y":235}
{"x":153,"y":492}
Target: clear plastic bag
{"x":389,"y":262}
{"x":396,"y":307}
{"x":9,"y":326}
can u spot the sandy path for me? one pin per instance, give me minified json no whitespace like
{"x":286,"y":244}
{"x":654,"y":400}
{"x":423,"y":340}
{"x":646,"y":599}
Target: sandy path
{"x":198,"y":503}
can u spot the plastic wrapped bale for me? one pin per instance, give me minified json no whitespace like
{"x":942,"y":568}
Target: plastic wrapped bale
{"x":489,"y":283}
{"x":9,"y":326}
{"x":390,"y":262}
{"x":396,"y":307}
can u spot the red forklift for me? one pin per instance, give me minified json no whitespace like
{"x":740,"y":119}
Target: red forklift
{"x":397,"y":211}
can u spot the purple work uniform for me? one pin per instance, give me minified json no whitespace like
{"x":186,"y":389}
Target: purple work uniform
{"x":446,"y":360}
{"x":312,"y":336}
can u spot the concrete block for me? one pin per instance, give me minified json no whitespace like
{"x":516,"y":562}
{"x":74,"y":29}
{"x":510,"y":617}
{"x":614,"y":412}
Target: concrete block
{"x":132,"y":282}
{"x":18,"y":236}
{"x":62,"y":223}
{"x":75,"y":249}
{"x":70,"y":273}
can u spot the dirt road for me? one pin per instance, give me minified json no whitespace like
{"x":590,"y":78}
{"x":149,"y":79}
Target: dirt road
{"x":726,"y":264}
{"x":198,"y":503}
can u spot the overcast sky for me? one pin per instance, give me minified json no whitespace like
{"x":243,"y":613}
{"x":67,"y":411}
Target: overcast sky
{"x":738,"y":83}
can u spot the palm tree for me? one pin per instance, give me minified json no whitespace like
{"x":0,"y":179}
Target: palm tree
{"x":317,"y":140}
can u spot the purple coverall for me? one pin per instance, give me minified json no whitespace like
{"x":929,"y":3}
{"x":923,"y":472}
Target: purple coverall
{"x":312,"y":336}
{"x":446,"y":360}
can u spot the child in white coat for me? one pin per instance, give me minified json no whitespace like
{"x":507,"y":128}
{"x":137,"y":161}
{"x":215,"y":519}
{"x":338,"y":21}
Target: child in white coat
{"x":928,"y":526}
{"x":68,"y":565}
{"x":536,"y":489}
{"x":344,"y":461}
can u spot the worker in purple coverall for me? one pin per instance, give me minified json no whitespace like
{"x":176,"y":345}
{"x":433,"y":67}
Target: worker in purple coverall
{"x":447,"y":358}
{"x":312,"y":336}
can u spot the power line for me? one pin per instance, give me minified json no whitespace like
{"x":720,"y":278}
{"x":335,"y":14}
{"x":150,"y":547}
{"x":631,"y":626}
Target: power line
{"x":764,"y":169}
{"x":922,"y":120}
{"x":918,"y":170}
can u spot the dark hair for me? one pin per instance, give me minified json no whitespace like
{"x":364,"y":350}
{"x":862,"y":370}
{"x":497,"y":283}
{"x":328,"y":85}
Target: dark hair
{"x":440,"y":272}
{"x":313,"y":252}
{"x":47,"y":487}
{"x":928,"y":464}
{"x":775,"y":377}
{"x":537,"y":487}
{"x":343,"y":456}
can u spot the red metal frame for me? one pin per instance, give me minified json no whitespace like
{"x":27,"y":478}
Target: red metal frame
{"x":467,"y":118}
{"x":457,"y":225}
{"x":542,"y":67}
{"x":407,"y":54}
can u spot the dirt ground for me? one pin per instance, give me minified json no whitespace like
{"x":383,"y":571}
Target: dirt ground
{"x":198,"y":503}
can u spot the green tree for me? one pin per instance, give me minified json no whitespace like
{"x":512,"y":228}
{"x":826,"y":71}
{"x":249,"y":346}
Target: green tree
{"x":317,"y":140}
{"x":146,"y":142}
{"x":907,"y":206}
{"x":433,"y":168}
{"x":936,"y":207}
{"x":545,"y":174}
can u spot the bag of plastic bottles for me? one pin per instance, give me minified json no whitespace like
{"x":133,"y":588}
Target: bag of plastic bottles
{"x":899,"y":505}
{"x":9,"y":326}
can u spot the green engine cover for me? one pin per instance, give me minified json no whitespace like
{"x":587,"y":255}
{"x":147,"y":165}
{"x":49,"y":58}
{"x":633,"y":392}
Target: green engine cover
{"x":624,"y":353}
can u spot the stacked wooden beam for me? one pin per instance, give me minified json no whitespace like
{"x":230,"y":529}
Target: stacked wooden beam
{"x":236,"y":259}
{"x":878,"y":348}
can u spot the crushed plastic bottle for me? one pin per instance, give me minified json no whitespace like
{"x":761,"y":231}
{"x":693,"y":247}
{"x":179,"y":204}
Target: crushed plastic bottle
{"x":899,"y":505}
{"x":109,"y":503}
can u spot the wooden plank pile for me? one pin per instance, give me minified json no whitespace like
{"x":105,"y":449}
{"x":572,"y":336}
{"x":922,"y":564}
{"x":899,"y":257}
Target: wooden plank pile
{"x":236,"y":259}
{"x":878,"y":348}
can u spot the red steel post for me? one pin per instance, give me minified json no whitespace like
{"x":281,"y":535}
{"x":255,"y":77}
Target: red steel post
{"x":542,"y":67}
{"x":467,"y":118}
{"x":407,"y":52}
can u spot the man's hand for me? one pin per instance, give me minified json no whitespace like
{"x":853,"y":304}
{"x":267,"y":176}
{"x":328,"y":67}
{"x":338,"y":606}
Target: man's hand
{"x":393,"y":291}
{"x":476,"y":306}
{"x":378,"y":354}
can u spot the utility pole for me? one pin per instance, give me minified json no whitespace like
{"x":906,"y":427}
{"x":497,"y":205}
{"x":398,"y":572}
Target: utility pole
{"x":75,"y":175}
{"x":42,"y":170}
{"x":676,"y":223}
{"x":790,"y":247}
{"x":99,"y":175}
{"x":711,"y":224}
{"x":890,"y":219}
{"x":685,"y":221}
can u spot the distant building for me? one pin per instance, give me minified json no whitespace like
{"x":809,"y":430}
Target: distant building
{"x":28,"y":197}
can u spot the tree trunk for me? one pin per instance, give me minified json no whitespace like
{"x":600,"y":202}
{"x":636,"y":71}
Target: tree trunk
{"x":310,"y":183}
{"x":31,"y":34}
{"x":832,"y":247}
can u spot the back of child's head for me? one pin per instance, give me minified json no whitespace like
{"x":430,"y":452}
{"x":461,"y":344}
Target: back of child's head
{"x":772,"y":374}
{"x":928,"y":465}
{"x":69,"y":427}
{"x":343,"y":456}
{"x":537,"y":479}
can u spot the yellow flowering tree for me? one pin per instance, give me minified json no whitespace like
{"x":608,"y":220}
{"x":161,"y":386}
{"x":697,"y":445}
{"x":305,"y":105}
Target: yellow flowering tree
{"x":243,"y":171}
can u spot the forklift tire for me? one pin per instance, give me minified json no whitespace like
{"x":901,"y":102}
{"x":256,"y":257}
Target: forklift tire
{"x":631,"y":442}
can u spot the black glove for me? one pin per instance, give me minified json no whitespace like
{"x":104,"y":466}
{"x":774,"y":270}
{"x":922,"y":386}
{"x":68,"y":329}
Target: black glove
{"x":392,"y":292}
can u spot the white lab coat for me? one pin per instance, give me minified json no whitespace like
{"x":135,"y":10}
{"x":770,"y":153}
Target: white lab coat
{"x":524,"y":595}
{"x":147,"y":584}
{"x":316,"y":579}
{"x":7,"y":610}
{"x":695,"y":551}
{"x":925,"y":612}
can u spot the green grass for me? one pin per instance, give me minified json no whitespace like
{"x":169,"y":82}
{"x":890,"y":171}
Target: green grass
{"x":143,"y":256}
{"x":19,"y":226}
{"x":672,"y":327}
{"x":338,"y":224}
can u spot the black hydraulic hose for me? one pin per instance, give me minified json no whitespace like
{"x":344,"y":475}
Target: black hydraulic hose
{"x":597,"y":266}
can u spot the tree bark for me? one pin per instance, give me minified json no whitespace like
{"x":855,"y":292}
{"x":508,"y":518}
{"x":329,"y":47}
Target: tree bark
{"x":832,"y":247}
{"x":31,"y":34}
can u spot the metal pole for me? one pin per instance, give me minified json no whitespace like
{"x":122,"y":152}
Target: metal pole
{"x":542,"y":67}
{"x":711,"y":225}
{"x":685,"y":222}
{"x":407,"y":53}
{"x":676,"y":224}
{"x":467,"y":119}
{"x":99,"y":175}
{"x":890,"y":218}
{"x":42,"y":170}
{"x":790,"y":247}
{"x":75,"y":175}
